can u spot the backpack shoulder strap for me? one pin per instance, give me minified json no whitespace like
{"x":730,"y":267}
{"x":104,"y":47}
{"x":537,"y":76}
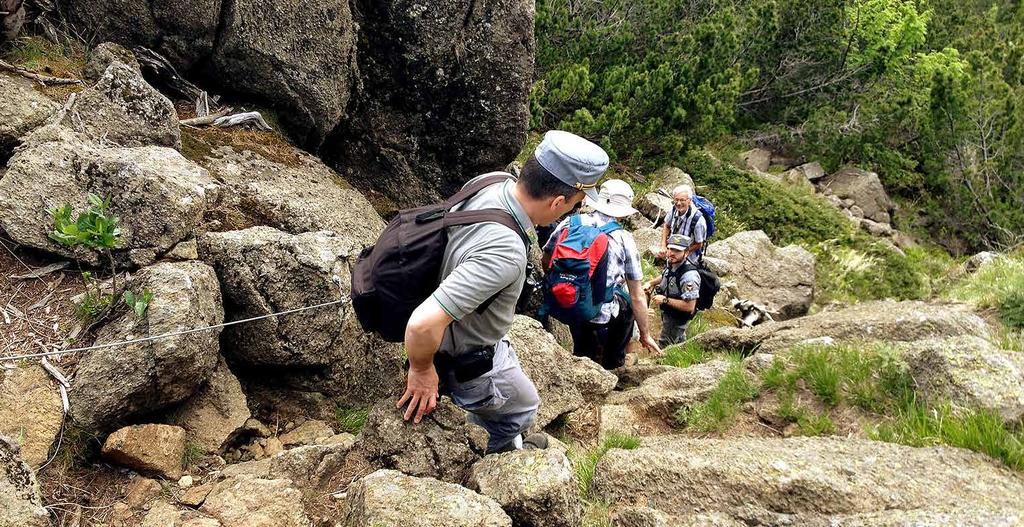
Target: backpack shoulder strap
{"x":469,"y":191}
{"x":610,"y":227}
{"x":469,"y":217}
{"x":696,"y":218}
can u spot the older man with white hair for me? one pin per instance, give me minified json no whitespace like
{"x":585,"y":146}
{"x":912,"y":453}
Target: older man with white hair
{"x":687,"y":220}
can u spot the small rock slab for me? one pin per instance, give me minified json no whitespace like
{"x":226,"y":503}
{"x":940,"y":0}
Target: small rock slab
{"x":30,"y":410}
{"x":388,"y":497}
{"x":214,"y":414}
{"x":247,"y":501}
{"x":307,"y":433}
{"x":151,"y":449}
{"x":443,"y":445}
{"x":537,"y":488}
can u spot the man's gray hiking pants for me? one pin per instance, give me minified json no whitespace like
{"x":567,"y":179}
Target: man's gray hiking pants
{"x":503,"y":401}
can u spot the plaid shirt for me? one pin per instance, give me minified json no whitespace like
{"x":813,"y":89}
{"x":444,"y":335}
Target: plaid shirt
{"x":623,"y":258}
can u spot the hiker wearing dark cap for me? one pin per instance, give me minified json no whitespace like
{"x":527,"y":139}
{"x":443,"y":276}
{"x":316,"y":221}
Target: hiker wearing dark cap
{"x":676,"y":291}
{"x":605,"y":337}
{"x":484,"y":265}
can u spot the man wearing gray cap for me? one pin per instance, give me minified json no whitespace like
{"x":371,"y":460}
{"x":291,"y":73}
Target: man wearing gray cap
{"x":485,"y":265}
{"x":605,"y":338}
{"x":676,"y":291}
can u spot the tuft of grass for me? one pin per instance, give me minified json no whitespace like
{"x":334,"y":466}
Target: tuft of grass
{"x":585,"y":461}
{"x":193,"y":453}
{"x":350,"y":420}
{"x":876,"y":380}
{"x":1011,"y":310}
{"x":689,"y":352}
{"x":919,"y":425}
{"x":990,"y":286}
{"x":723,"y":404}
{"x":40,"y":55}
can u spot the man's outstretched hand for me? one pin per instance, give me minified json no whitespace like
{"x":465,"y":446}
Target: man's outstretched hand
{"x":420,"y":393}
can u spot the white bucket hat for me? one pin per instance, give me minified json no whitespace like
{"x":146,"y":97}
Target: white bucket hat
{"x":615,"y":199}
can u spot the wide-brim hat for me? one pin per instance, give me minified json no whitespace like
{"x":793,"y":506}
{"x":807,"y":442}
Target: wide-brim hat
{"x":615,"y":199}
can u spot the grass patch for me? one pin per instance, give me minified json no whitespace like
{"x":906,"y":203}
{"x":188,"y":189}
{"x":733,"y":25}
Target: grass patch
{"x":876,"y":380}
{"x":585,"y":461}
{"x":193,"y":453}
{"x":723,"y":404}
{"x":998,"y":285}
{"x":689,"y":352}
{"x":40,"y":55}
{"x":919,"y":425}
{"x":858,"y":267}
{"x":350,"y":420}
{"x":199,"y":143}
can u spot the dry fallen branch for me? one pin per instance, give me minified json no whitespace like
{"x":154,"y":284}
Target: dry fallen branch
{"x":41,"y":271}
{"x":206,"y":119}
{"x":243,"y":118}
{"x":45,"y":80}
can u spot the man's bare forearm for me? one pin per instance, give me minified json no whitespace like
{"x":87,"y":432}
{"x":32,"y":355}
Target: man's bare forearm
{"x":639,"y":301}
{"x":424,"y":333}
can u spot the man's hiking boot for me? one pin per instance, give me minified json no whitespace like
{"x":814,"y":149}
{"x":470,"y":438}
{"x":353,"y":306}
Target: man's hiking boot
{"x":537,"y":441}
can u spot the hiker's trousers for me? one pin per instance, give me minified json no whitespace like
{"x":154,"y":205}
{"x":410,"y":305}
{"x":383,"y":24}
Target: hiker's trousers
{"x":503,"y":401}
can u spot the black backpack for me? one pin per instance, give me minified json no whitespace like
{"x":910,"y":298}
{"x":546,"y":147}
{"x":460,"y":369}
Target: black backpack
{"x":394,"y":276}
{"x":709,"y":284}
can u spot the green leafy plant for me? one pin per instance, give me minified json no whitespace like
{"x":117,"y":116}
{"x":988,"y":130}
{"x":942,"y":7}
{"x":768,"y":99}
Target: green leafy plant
{"x":95,"y":229}
{"x":138,"y":303}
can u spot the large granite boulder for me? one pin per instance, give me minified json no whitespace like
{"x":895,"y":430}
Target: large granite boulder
{"x":264,"y":270}
{"x":443,"y":445}
{"x":537,"y":488}
{"x":757,"y":159}
{"x":158,"y":195}
{"x":653,"y":206}
{"x":20,"y":503}
{"x":969,"y":372}
{"x":803,"y":481}
{"x":563,"y":381}
{"x":875,"y":321}
{"x":388,"y":497}
{"x":444,"y":95}
{"x":31,"y":411}
{"x":113,"y":385}
{"x":670,"y":177}
{"x":863,"y":188}
{"x":301,"y":196}
{"x":216,"y":412}
{"x":782,"y":279}
{"x":124,"y":110}
{"x":427,"y":95}
{"x":298,"y":55}
{"x":22,"y":109}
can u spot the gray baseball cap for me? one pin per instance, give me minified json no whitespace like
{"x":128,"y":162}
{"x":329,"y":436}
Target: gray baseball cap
{"x":573,"y":160}
{"x":678,"y":242}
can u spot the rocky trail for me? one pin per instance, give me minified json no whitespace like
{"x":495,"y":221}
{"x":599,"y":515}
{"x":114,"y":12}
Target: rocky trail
{"x":290,"y":421}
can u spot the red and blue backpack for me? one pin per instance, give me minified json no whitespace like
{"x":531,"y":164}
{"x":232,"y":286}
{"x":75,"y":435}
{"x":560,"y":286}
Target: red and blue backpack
{"x":576,"y":281}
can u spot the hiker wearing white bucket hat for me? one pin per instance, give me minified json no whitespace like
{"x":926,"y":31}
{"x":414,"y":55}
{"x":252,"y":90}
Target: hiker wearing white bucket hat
{"x":606,"y":337}
{"x":614,"y":199}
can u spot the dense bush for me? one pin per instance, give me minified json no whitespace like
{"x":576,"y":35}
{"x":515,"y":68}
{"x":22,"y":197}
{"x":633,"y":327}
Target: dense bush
{"x":924,"y":93}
